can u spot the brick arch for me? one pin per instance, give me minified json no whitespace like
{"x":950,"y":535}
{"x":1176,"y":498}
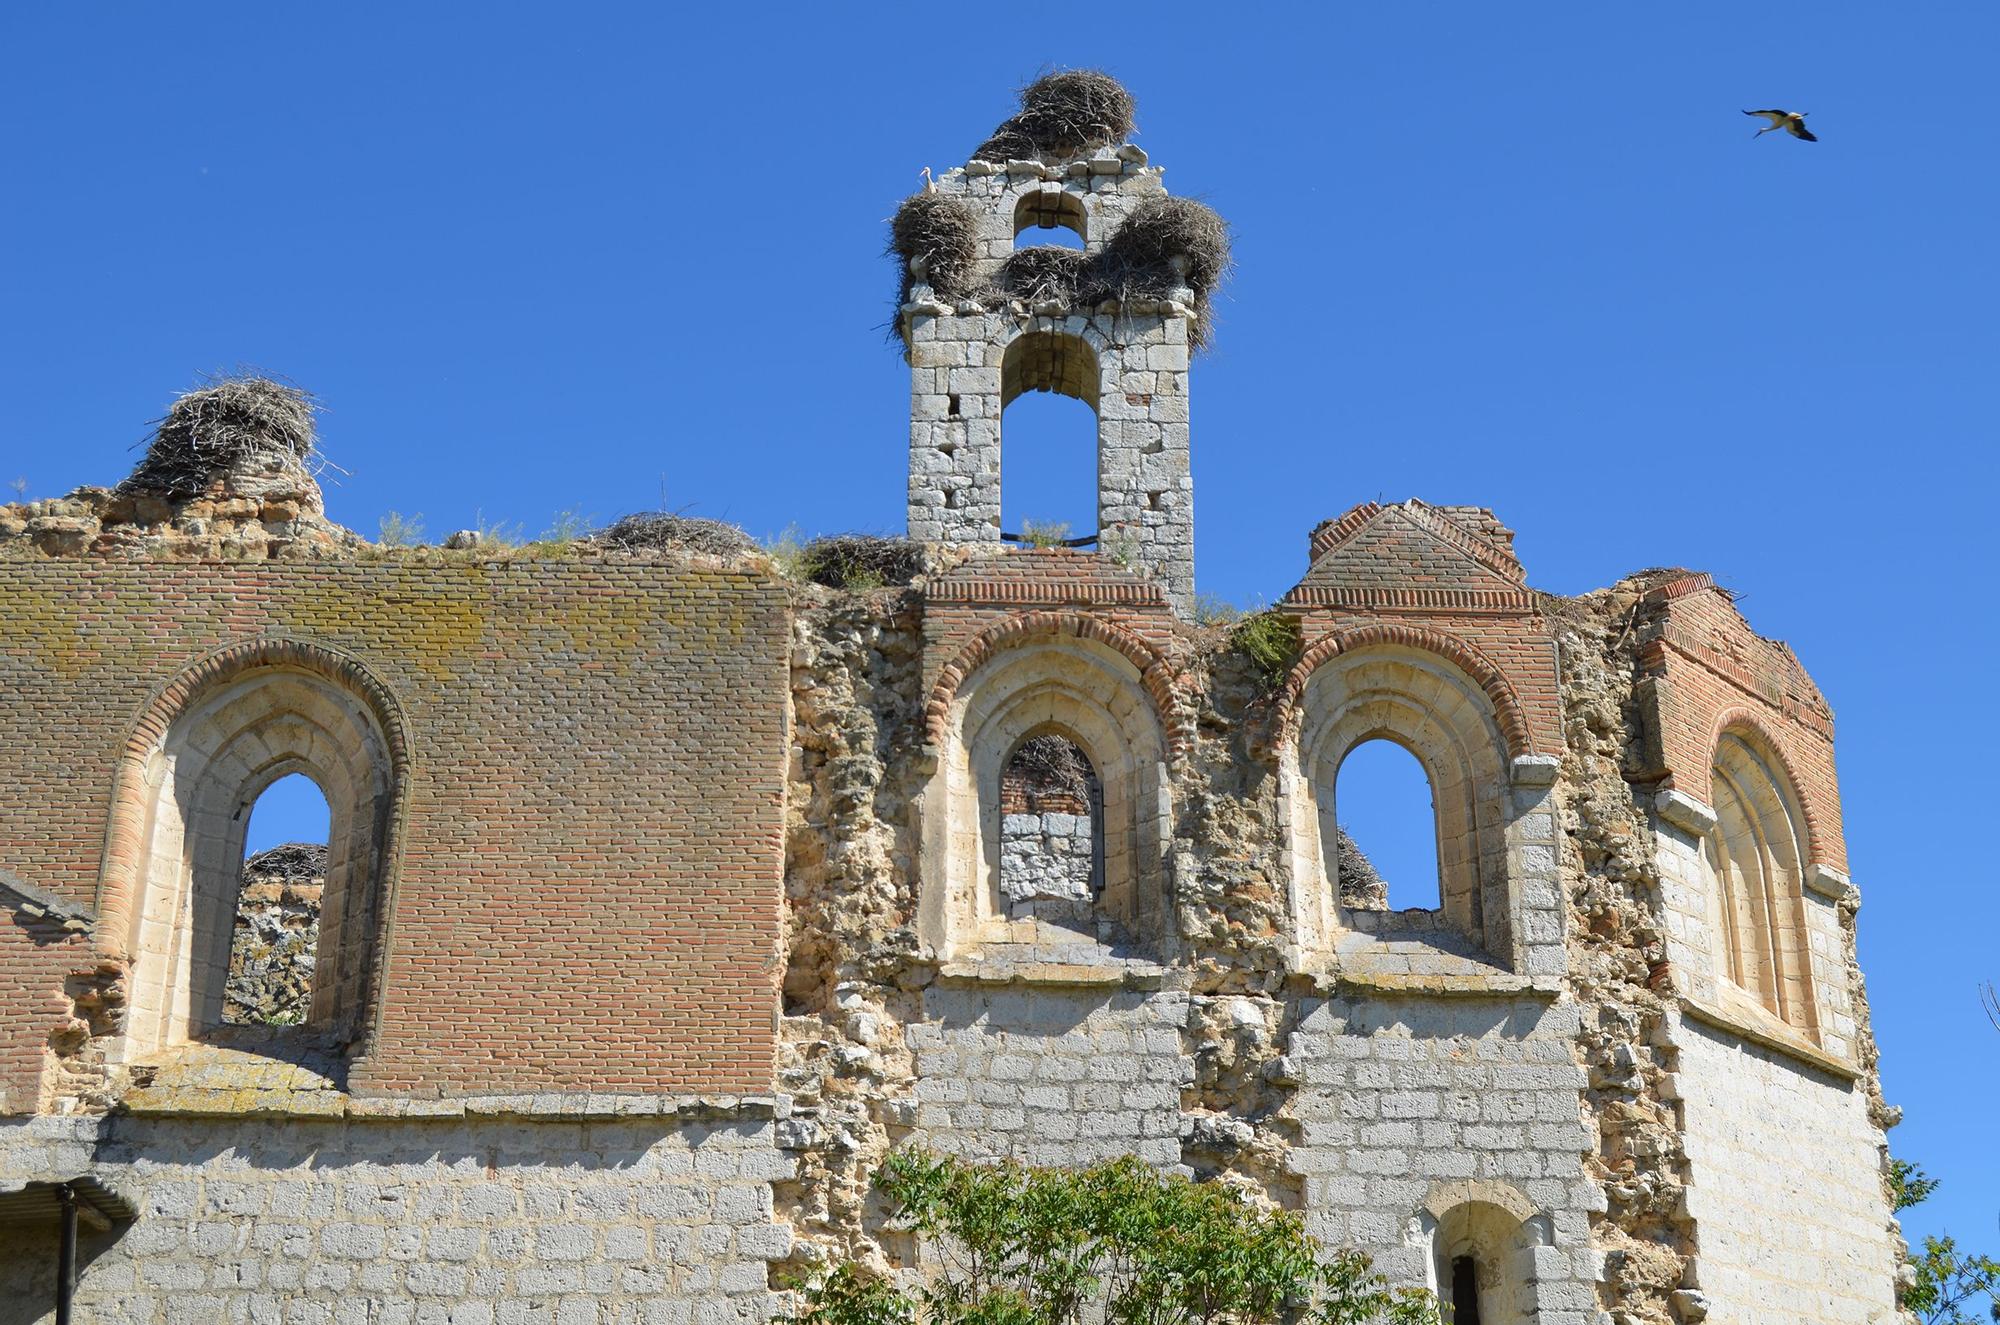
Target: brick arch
{"x":1506,"y":706}
{"x":1744,"y":719}
{"x":322,"y":712}
{"x":1154,"y":674}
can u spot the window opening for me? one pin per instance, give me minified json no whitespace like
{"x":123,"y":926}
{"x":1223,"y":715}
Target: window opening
{"x":1055,"y":216}
{"x":1385,"y":853}
{"x":1464,"y":1291}
{"x":1049,"y":435}
{"x":1051,"y":835}
{"x":1754,"y":854}
{"x":275,"y":938}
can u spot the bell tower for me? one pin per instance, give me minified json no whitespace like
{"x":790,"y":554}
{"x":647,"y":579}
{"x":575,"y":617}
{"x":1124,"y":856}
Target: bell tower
{"x":987,"y":314}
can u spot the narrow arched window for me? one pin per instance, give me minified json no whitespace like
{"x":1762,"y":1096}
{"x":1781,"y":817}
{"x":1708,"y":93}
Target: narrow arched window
{"x":276,"y":934}
{"x":1051,"y":835}
{"x":1049,"y":437}
{"x":1756,"y":860}
{"x":1382,"y":852}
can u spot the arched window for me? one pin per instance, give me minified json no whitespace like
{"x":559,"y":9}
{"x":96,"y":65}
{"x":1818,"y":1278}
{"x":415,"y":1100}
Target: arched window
{"x":174,"y":874}
{"x":1049,"y":446}
{"x":1051,"y":835}
{"x":1442,"y":719}
{"x":1480,"y":1256}
{"x":980,"y":887}
{"x":1384,"y":853}
{"x":276,"y":937}
{"x":1756,"y":859}
{"x":1056,"y":216}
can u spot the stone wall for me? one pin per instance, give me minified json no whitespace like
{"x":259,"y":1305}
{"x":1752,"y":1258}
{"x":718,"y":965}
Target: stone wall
{"x":1409,"y":1108}
{"x":500,"y":1221}
{"x":276,"y":935}
{"x":1785,"y":1189}
{"x":594,"y":797}
{"x":1051,"y":1075}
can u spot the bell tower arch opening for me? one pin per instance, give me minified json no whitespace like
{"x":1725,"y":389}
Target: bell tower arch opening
{"x":990,"y":311}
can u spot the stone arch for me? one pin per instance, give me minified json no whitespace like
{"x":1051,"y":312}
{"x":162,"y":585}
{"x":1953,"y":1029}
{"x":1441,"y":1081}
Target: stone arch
{"x":1749,"y":720}
{"x":1155,"y":676}
{"x":1482,"y":1236}
{"x":1756,"y":854}
{"x":1086,"y":686}
{"x":1506,"y":705}
{"x":1454,"y":713}
{"x":203,"y":749}
{"x":1038,"y":207}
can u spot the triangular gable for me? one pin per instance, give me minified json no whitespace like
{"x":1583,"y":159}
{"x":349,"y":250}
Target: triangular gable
{"x":1413,"y":555}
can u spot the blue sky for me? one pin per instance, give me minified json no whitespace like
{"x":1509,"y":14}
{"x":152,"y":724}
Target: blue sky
{"x":1527,"y":256}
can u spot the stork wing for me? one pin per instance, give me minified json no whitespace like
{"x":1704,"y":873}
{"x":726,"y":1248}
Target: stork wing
{"x":1776,"y":117}
{"x":1799,"y":130}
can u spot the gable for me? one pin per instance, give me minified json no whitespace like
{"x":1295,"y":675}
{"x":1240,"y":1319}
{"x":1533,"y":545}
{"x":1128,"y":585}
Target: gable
{"x":1413,"y":555}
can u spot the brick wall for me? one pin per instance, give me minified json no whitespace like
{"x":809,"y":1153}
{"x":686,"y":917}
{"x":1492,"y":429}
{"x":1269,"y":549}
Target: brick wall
{"x":589,"y":876}
{"x":36,"y":953}
{"x":1709,"y":670}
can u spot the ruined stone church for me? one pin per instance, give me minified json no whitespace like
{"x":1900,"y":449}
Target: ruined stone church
{"x":671,"y":883}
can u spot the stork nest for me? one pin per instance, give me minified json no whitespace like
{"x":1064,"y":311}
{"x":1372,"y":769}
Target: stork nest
{"x":1052,"y":769}
{"x":937,"y":237}
{"x":215,"y":429}
{"x":678,"y":533}
{"x":1063,"y":116}
{"x":1033,"y":275}
{"x":1361,"y":884}
{"x":861,"y":561}
{"x":293,"y":860}
{"x":1166,"y":243}
{"x":1165,"y":246}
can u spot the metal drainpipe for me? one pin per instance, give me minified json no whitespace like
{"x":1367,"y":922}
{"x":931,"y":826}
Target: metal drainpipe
{"x":66,"y":1261}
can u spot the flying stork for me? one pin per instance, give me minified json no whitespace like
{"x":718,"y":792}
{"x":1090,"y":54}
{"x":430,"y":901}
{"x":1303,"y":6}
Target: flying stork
{"x":1792,"y":121}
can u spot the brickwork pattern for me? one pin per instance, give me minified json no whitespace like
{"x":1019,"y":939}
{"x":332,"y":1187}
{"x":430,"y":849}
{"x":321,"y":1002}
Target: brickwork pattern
{"x":587,"y":741}
{"x":1709,"y":670}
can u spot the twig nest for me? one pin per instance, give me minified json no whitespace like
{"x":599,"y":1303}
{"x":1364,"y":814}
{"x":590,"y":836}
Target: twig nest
{"x":937,"y":237}
{"x":248,"y":424}
{"x":1063,"y":116}
{"x":861,"y":561}
{"x":682,"y":533}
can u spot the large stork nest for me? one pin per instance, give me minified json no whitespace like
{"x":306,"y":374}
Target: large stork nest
{"x":1165,"y":243}
{"x":679,"y":533}
{"x":1044,"y":272}
{"x":1063,"y":116}
{"x":937,"y":237}
{"x":220,"y":428}
{"x":861,"y":561}
{"x":293,"y":860}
